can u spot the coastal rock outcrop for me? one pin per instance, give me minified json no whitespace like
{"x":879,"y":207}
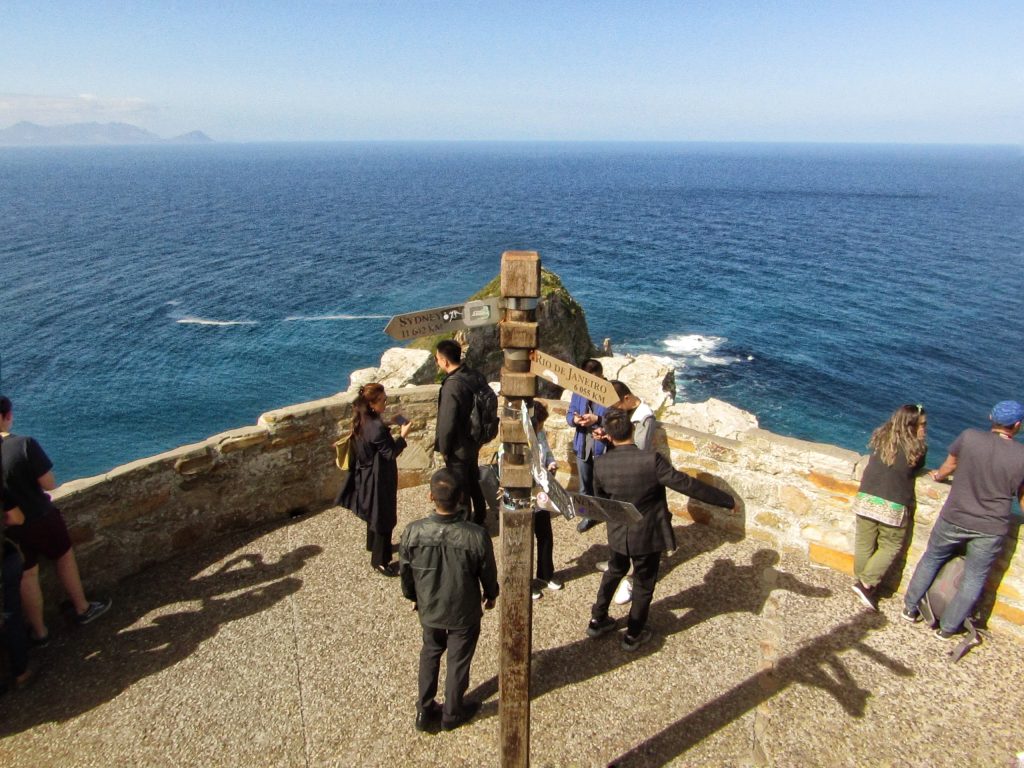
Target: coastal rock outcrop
{"x":399,"y":367}
{"x":562,"y":326}
{"x":649,"y":377}
{"x":712,"y":417}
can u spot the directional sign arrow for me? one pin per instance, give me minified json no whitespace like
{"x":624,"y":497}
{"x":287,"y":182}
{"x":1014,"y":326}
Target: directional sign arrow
{"x":561,"y":374}
{"x":454,"y":317}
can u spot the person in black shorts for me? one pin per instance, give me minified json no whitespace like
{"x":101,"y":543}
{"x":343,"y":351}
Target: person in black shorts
{"x":27,"y":476}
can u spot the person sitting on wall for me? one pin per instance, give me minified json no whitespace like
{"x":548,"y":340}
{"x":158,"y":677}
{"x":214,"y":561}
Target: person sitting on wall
{"x":27,"y":476}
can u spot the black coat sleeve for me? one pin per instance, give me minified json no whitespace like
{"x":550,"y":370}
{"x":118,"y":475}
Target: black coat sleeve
{"x":683,"y":483}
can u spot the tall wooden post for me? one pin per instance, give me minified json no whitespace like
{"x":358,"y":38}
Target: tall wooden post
{"x":520,"y":286}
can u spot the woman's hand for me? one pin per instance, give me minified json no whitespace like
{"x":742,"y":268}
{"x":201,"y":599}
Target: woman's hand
{"x":14,"y":516}
{"x":406,"y":428}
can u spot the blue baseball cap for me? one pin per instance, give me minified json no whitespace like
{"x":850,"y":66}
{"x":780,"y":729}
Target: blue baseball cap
{"x":1007,"y":413}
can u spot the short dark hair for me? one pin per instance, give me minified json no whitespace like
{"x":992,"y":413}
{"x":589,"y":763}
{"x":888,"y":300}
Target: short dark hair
{"x":5,"y":405}
{"x":450,"y":350}
{"x":445,"y":490}
{"x":540,"y":413}
{"x":621,"y":388}
{"x":590,"y":365}
{"x":617,"y":425}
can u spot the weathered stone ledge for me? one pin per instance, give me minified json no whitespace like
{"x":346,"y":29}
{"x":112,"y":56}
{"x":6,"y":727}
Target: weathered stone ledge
{"x":794,"y":494}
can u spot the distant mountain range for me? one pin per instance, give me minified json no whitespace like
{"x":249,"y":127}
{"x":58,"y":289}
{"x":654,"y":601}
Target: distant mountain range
{"x":27,"y":134}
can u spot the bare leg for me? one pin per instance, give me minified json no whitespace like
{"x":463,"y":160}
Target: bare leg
{"x":32,"y":602}
{"x":67,"y":572}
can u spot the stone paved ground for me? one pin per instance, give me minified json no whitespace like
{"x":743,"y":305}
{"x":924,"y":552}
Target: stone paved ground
{"x":281,"y":648}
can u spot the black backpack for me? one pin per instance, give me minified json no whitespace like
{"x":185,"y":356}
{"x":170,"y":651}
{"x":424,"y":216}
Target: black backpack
{"x":483,"y":418}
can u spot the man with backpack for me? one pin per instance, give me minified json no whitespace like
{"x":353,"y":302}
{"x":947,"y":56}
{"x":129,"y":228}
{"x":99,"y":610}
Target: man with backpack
{"x":989,"y":468}
{"x":467,"y":418}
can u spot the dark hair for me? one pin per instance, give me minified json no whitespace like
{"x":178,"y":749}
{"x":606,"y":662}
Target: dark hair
{"x":621,"y":389}
{"x":450,"y":350}
{"x":5,"y":405}
{"x":617,"y":425}
{"x":590,"y":365}
{"x":540,"y":413}
{"x":369,"y":394}
{"x":445,"y":490}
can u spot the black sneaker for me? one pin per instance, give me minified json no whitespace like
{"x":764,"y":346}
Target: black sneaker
{"x":631,"y":642}
{"x":866,"y":595}
{"x":911,"y":614}
{"x":96,"y":609}
{"x":598,"y":627}
{"x":944,"y":635}
{"x":585,"y":524}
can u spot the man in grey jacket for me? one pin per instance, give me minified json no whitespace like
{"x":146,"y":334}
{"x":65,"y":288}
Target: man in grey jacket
{"x":447,"y":569}
{"x":625,"y":473}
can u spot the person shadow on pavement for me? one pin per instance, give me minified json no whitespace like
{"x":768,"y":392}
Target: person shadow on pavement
{"x":159,"y":618}
{"x":817,"y":663}
{"x":727,"y":588}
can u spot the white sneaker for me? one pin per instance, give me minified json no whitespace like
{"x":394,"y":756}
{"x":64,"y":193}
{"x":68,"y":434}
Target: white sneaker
{"x":602,"y":566}
{"x":536,"y":594}
{"x":624,"y":593}
{"x":554,"y":586}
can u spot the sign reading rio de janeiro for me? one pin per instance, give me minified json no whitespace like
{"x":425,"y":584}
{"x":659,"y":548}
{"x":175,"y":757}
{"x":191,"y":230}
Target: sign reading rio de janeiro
{"x":454,"y":317}
{"x":561,"y":374}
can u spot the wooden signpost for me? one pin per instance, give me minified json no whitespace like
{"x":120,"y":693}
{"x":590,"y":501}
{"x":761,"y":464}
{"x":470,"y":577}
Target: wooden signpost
{"x":522,"y":363}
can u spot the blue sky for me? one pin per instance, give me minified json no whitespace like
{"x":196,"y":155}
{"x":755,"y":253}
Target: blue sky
{"x":917,"y":72}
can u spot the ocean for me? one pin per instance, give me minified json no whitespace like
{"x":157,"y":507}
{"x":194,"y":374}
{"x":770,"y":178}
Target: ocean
{"x":153,"y":296}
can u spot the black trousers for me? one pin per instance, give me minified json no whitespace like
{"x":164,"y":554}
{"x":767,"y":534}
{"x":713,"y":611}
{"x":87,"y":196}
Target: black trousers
{"x":379,"y":546}
{"x":645,"y":575}
{"x":545,"y":545}
{"x":468,"y":474}
{"x":461,"y":645}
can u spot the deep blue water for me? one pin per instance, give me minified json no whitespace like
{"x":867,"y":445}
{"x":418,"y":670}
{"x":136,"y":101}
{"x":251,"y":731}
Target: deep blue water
{"x":153,"y":296}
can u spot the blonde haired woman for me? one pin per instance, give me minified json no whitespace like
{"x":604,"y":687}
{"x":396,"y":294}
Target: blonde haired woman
{"x":886,"y":497}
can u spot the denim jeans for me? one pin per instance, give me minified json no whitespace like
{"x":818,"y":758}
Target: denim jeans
{"x":946,"y":541}
{"x":585,"y":468}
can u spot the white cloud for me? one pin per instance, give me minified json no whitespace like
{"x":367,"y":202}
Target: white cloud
{"x":84,"y":108}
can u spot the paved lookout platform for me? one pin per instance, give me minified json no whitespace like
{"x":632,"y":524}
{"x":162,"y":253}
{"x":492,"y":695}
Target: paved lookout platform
{"x":280,"y":647}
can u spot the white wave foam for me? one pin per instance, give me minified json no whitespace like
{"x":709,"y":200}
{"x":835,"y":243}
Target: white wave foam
{"x":712,"y":360}
{"x":315,"y":318}
{"x":693,"y":344}
{"x":203,"y":321}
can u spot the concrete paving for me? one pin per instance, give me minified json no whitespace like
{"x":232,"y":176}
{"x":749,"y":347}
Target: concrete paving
{"x":280,"y":647}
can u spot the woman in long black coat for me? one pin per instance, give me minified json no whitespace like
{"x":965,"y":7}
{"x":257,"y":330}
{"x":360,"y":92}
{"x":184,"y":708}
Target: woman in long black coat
{"x":372,"y":487}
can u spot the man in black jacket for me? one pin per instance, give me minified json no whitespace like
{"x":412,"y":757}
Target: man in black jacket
{"x":453,"y":439}
{"x":445,"y":565}
{"x":625,"y":473}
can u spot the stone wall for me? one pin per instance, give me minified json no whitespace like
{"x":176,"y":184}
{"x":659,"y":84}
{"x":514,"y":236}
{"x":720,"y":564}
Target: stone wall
{"x":795,"y":495}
